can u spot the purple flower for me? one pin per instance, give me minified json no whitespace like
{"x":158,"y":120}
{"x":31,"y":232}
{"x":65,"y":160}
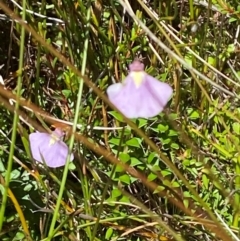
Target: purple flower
{"x":140,"y":95}
{"x":49,"y":148}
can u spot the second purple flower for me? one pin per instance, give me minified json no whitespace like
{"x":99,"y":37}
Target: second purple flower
{"x":140,"y":95}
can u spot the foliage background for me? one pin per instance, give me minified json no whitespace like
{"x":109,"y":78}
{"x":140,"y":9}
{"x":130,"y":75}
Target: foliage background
{"x":178,"y":175}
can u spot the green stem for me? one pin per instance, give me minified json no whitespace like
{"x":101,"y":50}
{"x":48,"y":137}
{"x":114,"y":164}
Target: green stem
{"x":42,"y":31}
{"x":65,"y":173}
{"x":235,"y":221}
{"x":15,"y":121}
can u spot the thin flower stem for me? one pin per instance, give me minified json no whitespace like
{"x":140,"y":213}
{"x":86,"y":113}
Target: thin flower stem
{"x":65,"y":173}
{"x":235,"y":221}
{"x":15,"y":122}
{"x":42,"y":30}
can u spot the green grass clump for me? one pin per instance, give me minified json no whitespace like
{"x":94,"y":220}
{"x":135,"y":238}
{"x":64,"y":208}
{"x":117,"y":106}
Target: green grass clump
{"x":172,"y":177}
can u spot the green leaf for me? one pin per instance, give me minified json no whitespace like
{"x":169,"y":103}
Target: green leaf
{"x":151,"y":157}
{"x":116,"y":115}
{"x":152,"y":177}
{"x":231,"y":48}
{"x":159,"y":189}
{"x":205,"y":181}
{"x":188,"y":58}
{"x":67,"y":93}
{"x":162,"y":128}
{"x":116,"y":193}
{"x":175,"y":146}
{"x":186,"y":162}
{"x":135,"y":142}
{"x":119,"y":168}
{"x":135,"y":161}
{"x":109,"y":233}
{"x":133,"y":179}
{"x":231,"y":20}
{"x":125,"y":179}
{"x":115,"y":141}
{"x":71,"y":166}
{"x":175,"y":184}
{"x":155,"y":168}
{"x":173,"y":116}
{"x":2,"y":189}
{"x":212,"y":61}
{"x":28,"y":187}
{"x":166,"y":173}
{"x":236,"y":128}
{"x":124,"y":199}
{"x":193,"y":114}
{"x":15,"y":174}
{"x":165,"y":141}
{"x":19,"y":236}
{"x":2,"y":167}
{"x":142,"y":122}
{"x":124,"y":157}
{"x":186,"y":202}
{"x":173,"y":133}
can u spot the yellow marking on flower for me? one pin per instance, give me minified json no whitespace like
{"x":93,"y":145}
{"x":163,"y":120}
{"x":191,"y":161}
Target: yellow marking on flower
{"x":53,"y":140}
{"x":138,"y":77}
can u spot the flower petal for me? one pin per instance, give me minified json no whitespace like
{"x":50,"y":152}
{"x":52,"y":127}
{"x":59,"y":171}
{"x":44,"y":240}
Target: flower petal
{"x":160,"y":94}
{"x":145,"y":98}
{"x":46,"y":146}
{"x":121,"y":95}
{"x":39,"y":142}
{"x":56,"y":155}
